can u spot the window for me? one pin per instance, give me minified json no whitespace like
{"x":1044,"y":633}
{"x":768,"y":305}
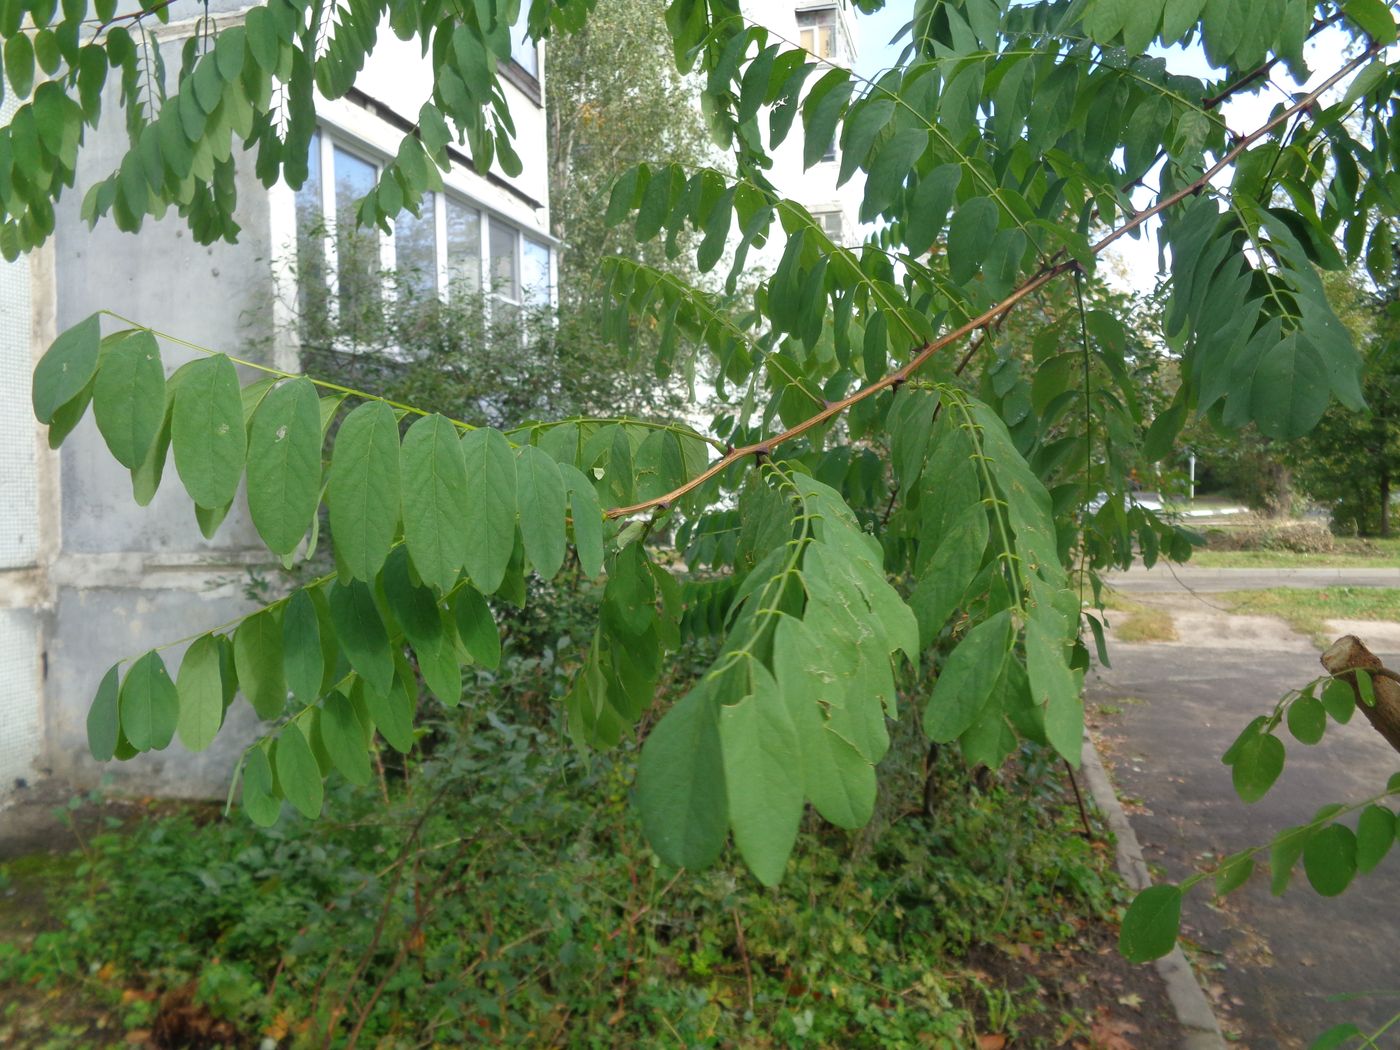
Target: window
{"x":536,"y":281}
{"x":833,"y":225}
{"x":450,"y":248}
{"x":463,"y":249}
{"x":415,"y":249}
{"x":357,"y":261}
{"x":311,"y":249}
{"x":523,"y":51}
{"x":830,"y":154}
{"x":817,"y":32}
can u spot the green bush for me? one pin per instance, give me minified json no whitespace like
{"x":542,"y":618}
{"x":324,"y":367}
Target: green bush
{"x":505,"y":896}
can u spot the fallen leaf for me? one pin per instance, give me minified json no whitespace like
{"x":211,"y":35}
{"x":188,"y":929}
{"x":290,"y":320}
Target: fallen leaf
{"x":1132,"y":1000}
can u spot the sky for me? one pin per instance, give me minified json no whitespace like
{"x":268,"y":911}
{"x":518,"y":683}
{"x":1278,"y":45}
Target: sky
{"x":1132,"y":264}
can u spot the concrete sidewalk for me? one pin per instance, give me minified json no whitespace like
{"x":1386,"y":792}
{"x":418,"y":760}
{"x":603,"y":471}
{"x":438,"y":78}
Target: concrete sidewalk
{"x":1164,"y":714}
{"x":1164,"y":578}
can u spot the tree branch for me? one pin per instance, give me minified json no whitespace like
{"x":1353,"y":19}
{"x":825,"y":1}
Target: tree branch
{"x":991,"y":314}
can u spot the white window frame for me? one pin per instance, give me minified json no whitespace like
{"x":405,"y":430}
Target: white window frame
{"x":329,"y":138}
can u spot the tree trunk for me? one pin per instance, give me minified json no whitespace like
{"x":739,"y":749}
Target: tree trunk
{"x":1385,"y":504}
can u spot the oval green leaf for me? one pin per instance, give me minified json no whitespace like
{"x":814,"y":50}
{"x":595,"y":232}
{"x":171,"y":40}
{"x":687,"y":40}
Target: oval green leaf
{"x":128,"y":397}
{"x":201,"y":689}
{"x":284,"y":464}
{"x":207,"y":432}
{"x":363,"y":495}
{"x":436,"y":509}
{"x":150,"y":706}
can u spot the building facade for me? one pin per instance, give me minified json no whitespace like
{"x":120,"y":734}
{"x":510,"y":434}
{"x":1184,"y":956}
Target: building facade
{"x":88,"y":577}
{"x":828,"y":32}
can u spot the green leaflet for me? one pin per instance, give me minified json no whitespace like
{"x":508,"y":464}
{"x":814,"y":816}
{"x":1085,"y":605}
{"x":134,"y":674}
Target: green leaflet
{"x":426,"y":627}
{"x":1375,"y":834}
{"x":1151,"y":924}
{"x":1329,"y":859}
{"x":67,"y":366}
{"x":541,"y":498}
{"x":1290,"y":389}
{"x":966,"y":681}
{"x":928,"y":211}
{"x":201,"y":691}
{"x":1256,"y":765}
{"x":363,"y":494}
{"x":104,"y":719}
{"x":586,"y":517}
{"x":149,"y":704}
{"x":207,"y":433}
{"x":128,"y":397}
{"x":910,"y":424}
{"x":436,"y":503}
{"x":297,"y":772}
{"x":343,"y":738}
{"x":489,"y":529}
{"x":943,"y":582}
{"x":681,"y":791}
{"x":839,"y":782}
{"x":259,"y":802}
{"x":762,"y":775}
{"x":146,"y":477}
{"x":1054,"y":687}
{"x":892,"y":165}
{"x":969,"y":234}
{"x":362,"y":635}
{"x":392,"y":712}
{"x":257,"y":655}
{"x":284,"y":464}
{"x":303,"y":663}
{"x":477,"y":627}
{"x":659,"y":465}
{"x":1307,"y":719}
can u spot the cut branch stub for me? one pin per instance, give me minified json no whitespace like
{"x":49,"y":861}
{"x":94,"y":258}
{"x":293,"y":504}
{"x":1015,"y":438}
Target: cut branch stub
{"x":1349,"y":654}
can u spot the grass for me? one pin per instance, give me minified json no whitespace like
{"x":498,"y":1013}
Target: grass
{"x":1350,"y":554}
{"x":1307,"y":611}
{"x":1137,"y":622}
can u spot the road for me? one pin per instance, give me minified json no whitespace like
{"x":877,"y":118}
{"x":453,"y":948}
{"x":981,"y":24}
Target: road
{"x":1164,"y":578}
{"x":1165,"y":712}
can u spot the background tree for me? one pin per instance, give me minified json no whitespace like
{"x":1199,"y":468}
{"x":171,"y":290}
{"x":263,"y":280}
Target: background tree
{"x":1351,"y":462}
{"x":614,"y":99}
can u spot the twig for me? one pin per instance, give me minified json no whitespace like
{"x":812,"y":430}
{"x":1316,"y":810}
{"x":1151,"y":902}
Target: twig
{"x":743,"y":947}
{"x":1079,"y":801}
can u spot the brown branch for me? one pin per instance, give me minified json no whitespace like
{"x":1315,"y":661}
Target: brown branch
{"x":1343,"y":659}
{"x":1047,"y":274}
{"x":1265,"y":68}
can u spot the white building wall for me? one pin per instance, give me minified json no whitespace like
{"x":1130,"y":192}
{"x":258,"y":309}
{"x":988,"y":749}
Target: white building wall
{"x":815,"y":188}
{"x":87,"y":577}
{"x":21,"y":685}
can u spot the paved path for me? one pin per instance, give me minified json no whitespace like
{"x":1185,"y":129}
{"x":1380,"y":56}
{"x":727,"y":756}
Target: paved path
{"x":1163,"y":578}
{"x":1165,"y":714}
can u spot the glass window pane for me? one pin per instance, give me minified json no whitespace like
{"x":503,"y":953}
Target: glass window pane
{"x":463,"y":248}
{"x":357,"y":250}
{"x":504,"y":280}
{"x":311,"y":249}
{"x":523,"y":49}
{"x":817,"y":32}
{"x":534,"y":258}
{"x":415,"y":249}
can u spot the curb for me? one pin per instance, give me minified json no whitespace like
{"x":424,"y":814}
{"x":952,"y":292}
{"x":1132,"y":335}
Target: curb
{"x":1188,"y":1001}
